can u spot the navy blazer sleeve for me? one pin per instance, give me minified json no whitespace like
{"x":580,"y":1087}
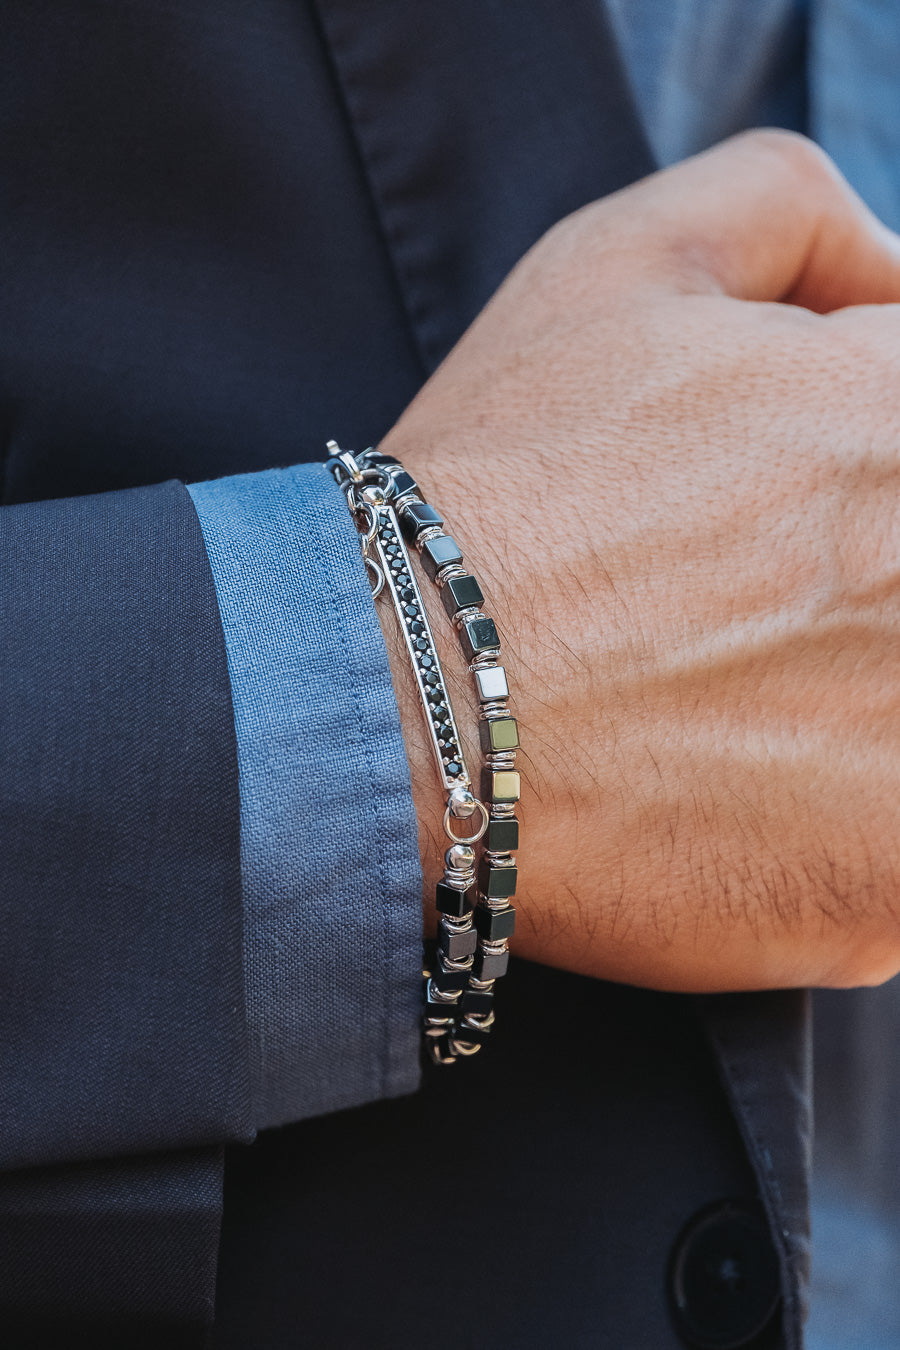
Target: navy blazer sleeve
{"x":121,"y":1021}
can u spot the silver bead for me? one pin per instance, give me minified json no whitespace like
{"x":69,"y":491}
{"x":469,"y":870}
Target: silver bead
{"x":462,"y":803}
{"x":373,"y":495}
{"x":461,"y":857}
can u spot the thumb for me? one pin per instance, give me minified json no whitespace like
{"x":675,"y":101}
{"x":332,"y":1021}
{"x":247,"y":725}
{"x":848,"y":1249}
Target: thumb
{"x":767,"y":216}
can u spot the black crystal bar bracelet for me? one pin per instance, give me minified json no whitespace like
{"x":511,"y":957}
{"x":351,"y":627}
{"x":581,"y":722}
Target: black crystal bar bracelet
{"x":475,"y":918}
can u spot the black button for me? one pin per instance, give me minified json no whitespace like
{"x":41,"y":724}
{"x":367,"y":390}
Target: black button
{"x":724,"y":1276}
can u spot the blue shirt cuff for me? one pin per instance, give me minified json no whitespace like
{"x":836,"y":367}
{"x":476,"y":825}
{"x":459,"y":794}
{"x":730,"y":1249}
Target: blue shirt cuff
{"x":330,"y":867}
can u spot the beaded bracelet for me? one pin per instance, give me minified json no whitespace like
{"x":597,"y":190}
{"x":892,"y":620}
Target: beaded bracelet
{"x":472,"y":898}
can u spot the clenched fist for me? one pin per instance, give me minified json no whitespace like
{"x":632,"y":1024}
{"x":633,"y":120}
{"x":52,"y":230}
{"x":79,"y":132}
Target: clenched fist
{"x":670,"y":447}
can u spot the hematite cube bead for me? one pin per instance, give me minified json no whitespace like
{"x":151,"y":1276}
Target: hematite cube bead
{"x":419,"y":516}
{"x":457,"y":945}
{"x":437,"y":553}
{"x":490,"y":965}
{"x":461,"y":593}
{"x":479,"y":1001}
{"x":436,"y":1008}
{"x":403,"y":482}
{"x":500,"y":785}
{"x":449,"y":981}
{"x":475,"y":1035}
{"x":491,"y":683}
{"x":501,"y":733}
{"x":379,"y":461}
{"x":479,"y":635}
{"x":497,"y":883}
{"x":494,"y":924}
{"x":502,"y":836}
{"x":449,"y":900}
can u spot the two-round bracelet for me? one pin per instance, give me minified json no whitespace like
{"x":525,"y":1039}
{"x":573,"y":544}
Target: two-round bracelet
{"x":475,"y":917}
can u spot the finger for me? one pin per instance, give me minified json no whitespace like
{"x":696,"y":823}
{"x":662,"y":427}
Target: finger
{"x":766,"y":216}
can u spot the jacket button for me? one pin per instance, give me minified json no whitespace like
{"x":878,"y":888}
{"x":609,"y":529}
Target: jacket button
{"x":724,"y":1278}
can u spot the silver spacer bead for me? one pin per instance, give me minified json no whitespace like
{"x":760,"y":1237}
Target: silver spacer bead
{"x":503,"y":810}
{"x":501,"y":759}
{"x":490,"y":712}
{"x":464,"y":616}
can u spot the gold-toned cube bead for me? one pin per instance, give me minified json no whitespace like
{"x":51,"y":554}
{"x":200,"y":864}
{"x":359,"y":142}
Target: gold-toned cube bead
{"x":501,"y":733}
{"x":501,"y":785}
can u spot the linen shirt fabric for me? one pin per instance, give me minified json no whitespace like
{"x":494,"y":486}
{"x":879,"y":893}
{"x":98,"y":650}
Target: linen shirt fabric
{"x":329,"y":860}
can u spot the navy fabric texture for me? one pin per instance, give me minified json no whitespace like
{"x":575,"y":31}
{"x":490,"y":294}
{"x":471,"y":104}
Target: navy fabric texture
{"x":121,"y":1252}
{"x":332,"y":883}
{"x":122,"y":1022}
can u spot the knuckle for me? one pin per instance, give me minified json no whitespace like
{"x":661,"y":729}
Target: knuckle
{"x":804,"y":164}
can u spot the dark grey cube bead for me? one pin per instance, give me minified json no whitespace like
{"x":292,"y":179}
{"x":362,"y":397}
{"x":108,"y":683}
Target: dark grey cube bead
{"x":490,"y":965}
{"x":495,"y":924}
{"x":449,"y":981}
{"x":474,"y":1035}
{"x":453,"y":902}
{"x":376,"y":460}
{"x":497,"y":883}
{"x":479,"y":1001}
{"x":479,"y":635}
{"x":457,"y":945}
{"x":419,"y":516}
{"x":502,"y":836}
{"x":437,"y":553}
{"x":461,"y":593}
{"x":403,"y":482}
{"x":435,"y":1008}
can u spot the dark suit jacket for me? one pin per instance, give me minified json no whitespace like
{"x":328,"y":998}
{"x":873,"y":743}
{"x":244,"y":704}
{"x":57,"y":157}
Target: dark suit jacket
{"x":229,"y":231}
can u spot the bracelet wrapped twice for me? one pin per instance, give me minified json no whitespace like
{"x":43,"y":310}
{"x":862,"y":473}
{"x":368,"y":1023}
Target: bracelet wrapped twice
{"x":475,"y":917}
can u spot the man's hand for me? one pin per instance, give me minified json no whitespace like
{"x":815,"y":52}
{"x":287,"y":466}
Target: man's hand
{"x":670,"y":449}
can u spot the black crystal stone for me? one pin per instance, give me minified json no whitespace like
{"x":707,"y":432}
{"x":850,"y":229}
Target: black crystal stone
{"x":403,"y":579}
{"x":454,"y":769}
{"x":407,"y":593}
{"x":417,"y":628}
{"x":437,"y":553}
{"x":426,"y":661}
{"x":497,"y":883}
{"x":449,"y":900}
{"x":393,"y":550}
{"x":490,"y":965}
{"x":479,"y":635}
{"x":495,"y":924}
{"x":421,"y":644}
{"x":411,"y":611}
{"x":460,"y":593}
{"x":444,"y":730}
{"x":502,"y":836}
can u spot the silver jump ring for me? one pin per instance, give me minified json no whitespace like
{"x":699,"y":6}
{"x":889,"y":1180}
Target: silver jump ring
{"x":377,"y":586}
{"x":467,"y":838}
{"x":367,"y":511}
